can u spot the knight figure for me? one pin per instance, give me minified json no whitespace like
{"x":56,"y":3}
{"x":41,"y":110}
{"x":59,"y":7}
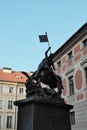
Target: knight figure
{"x":45,"y":73}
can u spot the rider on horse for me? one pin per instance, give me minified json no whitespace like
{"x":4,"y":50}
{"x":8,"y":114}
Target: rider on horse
{"x":45,"y":74}
{"x":46,"y":63}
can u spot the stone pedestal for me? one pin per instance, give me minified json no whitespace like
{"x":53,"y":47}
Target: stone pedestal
{"x":37,"y":113}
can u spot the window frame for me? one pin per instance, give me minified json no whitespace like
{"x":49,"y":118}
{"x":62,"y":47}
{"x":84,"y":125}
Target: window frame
{"x":85,"y":70}
{"x":71,"y":85}
{"x":59,"y":63}
{"x":0,"y":104}
{"x":72,"y":117}
{"x":21,"y":90}
{"x":0,"y":121}
{"x":10,"y":89}
{"x":1,"y":89}
{"x":85,"y":43}
{"x":10,"y":104}
{"x":70,"y":55}
{"x":9,"y":122}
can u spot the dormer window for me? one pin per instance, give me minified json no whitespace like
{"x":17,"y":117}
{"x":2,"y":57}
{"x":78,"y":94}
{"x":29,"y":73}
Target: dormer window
{"x":18,"y":77}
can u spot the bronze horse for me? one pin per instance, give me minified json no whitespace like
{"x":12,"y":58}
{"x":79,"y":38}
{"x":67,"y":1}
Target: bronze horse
{"x":46,"y":75}
{"x":47,"y":78}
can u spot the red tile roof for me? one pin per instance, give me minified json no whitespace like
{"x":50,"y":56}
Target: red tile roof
{"x":12,"y":76}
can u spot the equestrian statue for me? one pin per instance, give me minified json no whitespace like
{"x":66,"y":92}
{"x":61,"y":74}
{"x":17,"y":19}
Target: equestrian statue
{"x":45,"y":74}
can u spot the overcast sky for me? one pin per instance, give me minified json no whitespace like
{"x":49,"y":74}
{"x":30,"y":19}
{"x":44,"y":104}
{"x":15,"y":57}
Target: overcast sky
{"x":21,"y":21}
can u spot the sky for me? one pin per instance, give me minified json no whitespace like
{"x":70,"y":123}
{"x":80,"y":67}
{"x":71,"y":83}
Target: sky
{"x":21,"y":21}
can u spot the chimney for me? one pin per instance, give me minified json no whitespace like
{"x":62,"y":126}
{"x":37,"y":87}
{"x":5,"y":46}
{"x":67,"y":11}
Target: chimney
{"x":7,"y":70}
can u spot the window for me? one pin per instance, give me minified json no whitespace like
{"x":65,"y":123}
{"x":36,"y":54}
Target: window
{"x":21,"y":90}
{"x":18,"y":77}
{"x":0,"y":122}
{"x":71,"y":85}
{"x":10,"y":89}
{"x":10,"y":104}
{"x":72,"y":117}
{"x":59,"y":64}
{"x":85,"y":74}
{"x":9,"y":122}
{"x":1,"y":88}
{"x":0,"y":104}
{"x":85,"y":43}
{"x":70,"y":55}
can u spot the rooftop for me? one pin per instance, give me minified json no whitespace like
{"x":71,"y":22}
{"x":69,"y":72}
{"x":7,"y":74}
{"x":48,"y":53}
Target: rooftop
{"x":9,"y":75}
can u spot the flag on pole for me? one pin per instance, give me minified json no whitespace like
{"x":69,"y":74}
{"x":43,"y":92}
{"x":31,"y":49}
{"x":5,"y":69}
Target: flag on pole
{"x":43,"y":38}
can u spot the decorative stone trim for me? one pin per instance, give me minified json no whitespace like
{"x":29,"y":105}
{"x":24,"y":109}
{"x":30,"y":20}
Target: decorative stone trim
{"x":70,"y":71}
{"x":83,"y":62}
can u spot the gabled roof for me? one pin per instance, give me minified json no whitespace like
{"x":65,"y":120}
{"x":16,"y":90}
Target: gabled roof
{"x":12,"y":76}
{"x":79,"y":32}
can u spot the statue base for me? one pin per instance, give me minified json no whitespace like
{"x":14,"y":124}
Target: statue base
{"x":38,"y":113}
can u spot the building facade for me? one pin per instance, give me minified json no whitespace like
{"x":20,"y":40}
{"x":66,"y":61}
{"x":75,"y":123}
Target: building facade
{"x":12,"y":88}
{"x":70,"y":61}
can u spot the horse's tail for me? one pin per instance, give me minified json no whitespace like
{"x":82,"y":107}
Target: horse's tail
{"x":26,"y":74}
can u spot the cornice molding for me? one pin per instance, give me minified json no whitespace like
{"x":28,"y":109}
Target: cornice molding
{"x":83,"y":62}
{"x":70,"y":71}
{"x":81,"y":33}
